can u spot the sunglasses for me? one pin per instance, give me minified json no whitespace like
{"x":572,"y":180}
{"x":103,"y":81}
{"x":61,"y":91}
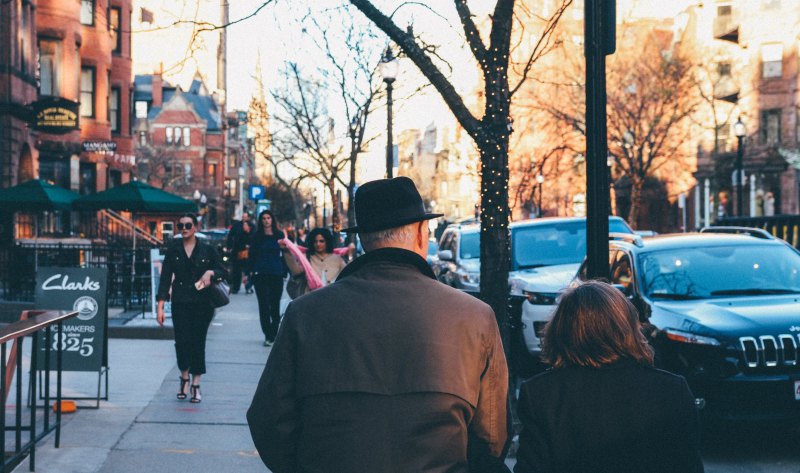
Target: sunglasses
{"x":187,"y":226}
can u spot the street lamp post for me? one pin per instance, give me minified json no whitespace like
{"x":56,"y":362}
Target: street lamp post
{"x":540,"y":180}
{"x":740,"y":131}
{"x":389,"y":66}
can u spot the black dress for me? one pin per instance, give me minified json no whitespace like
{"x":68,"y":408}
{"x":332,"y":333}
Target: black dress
{"x":191,"y":309}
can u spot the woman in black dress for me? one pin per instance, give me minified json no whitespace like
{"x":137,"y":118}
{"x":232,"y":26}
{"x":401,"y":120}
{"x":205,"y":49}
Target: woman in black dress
{"x":194,"y":265}
{"x":268,"y":270}
{"x":603,"y":407}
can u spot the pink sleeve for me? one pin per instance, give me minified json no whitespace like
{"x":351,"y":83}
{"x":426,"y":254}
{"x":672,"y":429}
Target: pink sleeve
{"x":314,"y":282}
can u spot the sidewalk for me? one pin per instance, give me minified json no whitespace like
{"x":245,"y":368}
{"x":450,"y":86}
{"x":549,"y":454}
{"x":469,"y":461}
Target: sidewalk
{"x":143,"y":427}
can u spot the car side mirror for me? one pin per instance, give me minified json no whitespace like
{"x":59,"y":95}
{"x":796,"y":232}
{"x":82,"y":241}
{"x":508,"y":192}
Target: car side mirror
{"x":446,"y":255}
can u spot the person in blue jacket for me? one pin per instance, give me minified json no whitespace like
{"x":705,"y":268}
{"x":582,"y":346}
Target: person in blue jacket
{"x":267,"y":271}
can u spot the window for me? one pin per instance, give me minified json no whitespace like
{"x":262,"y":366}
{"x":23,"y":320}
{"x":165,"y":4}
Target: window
{"x":771,"y":60}
{"x":88,"y":178}
{"x":771,"y":127}
{"x":49,"y":62}
{"x":724,"y":69}
{"x":114,"y":26}
{"x":87,"y":12}
{"x":724,"y":10}
{"x":142,"y":138}
{"x":169,"y":135}
{"x":212,"y":174}
{"x":186,"y":137}
{"x":177,"y":136}
{"x":621,"y":272}
{"x":114,"y":115}
{"x":141,"y":109}
{"x":87,"y":91}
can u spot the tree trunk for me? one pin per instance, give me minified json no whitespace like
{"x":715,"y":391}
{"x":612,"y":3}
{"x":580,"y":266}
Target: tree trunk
{"x":335,"y":220}
{"x":495,"y":250}
{"x":636,"y":202}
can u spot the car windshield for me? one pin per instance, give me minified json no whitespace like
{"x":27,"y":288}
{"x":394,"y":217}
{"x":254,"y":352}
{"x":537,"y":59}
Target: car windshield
{"x":720,"y":271}
{"x":470,"y":246}
{"x":555,"y":243}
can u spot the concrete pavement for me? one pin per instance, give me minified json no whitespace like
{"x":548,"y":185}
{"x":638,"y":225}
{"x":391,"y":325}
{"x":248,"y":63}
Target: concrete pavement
{"x":143,"y":427}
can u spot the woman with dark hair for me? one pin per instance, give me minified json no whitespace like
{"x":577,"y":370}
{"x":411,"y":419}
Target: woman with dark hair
{"x":267,"y":271}
{"x":321,"y":256}
{"x":603,"y":407}
{"x":194,"y":265}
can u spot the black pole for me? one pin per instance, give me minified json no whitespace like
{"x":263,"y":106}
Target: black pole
{"x":389,"y":144}
{"x":599,"y":30}
{"x":539,"y":204}
{"x":739,"y":188}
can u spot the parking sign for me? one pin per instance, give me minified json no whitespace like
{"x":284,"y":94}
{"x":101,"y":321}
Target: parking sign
{"x":257,"y":192}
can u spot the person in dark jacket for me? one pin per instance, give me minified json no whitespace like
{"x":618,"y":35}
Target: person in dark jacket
{"x":603,"y":407}
{"x":237,"y":243}
{"x":385,"y":370}
{"x":194,"y":265}
{"x":268,"y":270}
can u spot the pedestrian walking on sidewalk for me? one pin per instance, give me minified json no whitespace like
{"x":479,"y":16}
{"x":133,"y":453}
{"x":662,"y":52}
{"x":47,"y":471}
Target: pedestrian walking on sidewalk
{"x":268,"y":270}
{"x":603,"y":406}
{"x":194,"y":265}
{"x":321,"y":256}
{"x":238,"y":242}
{"x":386,"y":369}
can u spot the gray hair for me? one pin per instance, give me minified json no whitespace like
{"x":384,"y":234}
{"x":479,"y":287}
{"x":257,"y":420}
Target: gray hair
{"x":383,"y":238}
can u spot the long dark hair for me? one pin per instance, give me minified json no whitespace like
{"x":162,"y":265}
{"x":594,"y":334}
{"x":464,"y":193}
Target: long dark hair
{"x":312,"y":235}
{"x":276,"y":230}
{"x":594,"y":325}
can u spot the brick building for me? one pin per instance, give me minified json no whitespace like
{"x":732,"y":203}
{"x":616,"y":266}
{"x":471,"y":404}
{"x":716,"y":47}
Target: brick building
{"x":751,"y":51}
{"x":181,"y":144}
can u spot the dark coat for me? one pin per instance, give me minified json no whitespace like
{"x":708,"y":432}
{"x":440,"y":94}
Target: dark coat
{"x":187,"y":271}
{"x":386,"y":370}
{"x":622,"y":418}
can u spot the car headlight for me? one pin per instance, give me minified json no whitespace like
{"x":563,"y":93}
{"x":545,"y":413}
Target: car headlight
{"x":685,"y":337}
{"x":541,"y":298}
{"x":469,"y":277}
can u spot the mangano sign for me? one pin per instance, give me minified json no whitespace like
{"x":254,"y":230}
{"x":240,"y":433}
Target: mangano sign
{"x":84,"y":337}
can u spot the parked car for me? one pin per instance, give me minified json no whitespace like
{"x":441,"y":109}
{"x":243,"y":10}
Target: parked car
{"x":433,"y":252}
{"x":546,"y":259}
{"x":723,"y":310}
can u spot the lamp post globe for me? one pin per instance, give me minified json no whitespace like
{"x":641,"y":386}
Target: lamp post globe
{"x":540,"y":180}
{"x":389,"y":67}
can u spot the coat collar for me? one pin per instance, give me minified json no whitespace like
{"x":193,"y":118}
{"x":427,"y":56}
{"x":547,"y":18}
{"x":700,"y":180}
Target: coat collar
{"x":390,"y":255}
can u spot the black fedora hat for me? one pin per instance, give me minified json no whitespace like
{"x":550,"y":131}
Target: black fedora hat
{"x":388,"y":203}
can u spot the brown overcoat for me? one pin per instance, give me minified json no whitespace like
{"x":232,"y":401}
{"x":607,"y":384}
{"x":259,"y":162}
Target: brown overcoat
{"x":386,"y":370}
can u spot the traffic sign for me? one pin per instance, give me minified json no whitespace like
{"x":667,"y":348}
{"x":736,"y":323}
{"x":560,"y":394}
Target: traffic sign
{"x":257,"y":192}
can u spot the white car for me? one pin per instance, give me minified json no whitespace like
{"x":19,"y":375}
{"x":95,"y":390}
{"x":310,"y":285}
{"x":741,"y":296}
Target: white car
{"x":545,"y":259}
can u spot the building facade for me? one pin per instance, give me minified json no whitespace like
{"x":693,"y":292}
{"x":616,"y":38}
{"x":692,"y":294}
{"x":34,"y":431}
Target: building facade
{"x":751,"y":51}
{"x":181,"y":144}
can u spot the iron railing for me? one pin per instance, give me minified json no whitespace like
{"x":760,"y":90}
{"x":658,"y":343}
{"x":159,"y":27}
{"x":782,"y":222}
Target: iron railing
{"x":126,"y":288}
{"x":40,"y":422}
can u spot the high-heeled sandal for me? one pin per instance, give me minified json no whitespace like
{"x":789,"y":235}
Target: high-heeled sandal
{"x":182,"y":393}
{"x":197,"y":396}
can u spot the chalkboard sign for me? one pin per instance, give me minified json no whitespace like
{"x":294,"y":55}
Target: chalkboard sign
{"x":83,"y":290}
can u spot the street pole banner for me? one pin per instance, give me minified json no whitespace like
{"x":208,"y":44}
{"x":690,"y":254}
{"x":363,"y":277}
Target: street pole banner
{"x":156,"y":262}
{"x":83,"y":290}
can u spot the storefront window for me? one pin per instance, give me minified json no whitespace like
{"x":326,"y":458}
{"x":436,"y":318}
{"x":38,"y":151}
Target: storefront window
{"x":54,"y":170}
{"x":88,"y":183}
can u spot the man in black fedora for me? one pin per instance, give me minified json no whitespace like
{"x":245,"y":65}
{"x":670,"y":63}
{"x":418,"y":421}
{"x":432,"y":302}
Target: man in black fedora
{"x":385,"y":370}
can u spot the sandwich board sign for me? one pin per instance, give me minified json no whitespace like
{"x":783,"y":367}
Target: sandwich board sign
{"x":84,"y":339}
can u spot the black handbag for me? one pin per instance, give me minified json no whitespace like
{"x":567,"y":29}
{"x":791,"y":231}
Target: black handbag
{"x":219,"y":294}
{"x":297,"y":285}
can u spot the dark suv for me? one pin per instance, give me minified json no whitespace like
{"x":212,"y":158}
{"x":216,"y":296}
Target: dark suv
{"x":723,"y":310}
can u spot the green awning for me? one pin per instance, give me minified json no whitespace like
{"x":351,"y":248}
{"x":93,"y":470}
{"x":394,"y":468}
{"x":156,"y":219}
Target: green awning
{"x":135,"y":196}
{"x":36,"y":196}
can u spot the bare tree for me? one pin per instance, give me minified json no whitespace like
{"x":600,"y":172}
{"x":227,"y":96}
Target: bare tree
{"x":490,"y":130}
{"x":652,"y":96}
{"x":350,"y":73}
{"x":160,"y":167}
{"x":304,"y":140}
